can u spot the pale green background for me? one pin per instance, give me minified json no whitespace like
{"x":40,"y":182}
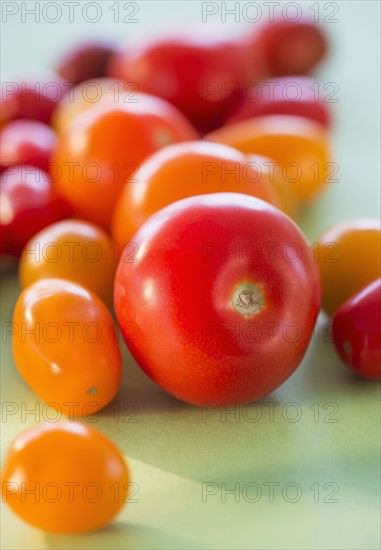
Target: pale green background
{"x":170,"y":449}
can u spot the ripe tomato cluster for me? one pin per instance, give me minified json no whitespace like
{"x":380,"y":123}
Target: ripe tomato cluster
{"x":164,"y":180}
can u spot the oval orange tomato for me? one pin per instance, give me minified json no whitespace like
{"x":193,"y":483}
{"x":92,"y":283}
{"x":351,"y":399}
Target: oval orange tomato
{"x":64,"y":477}
{"x":65,"y":346}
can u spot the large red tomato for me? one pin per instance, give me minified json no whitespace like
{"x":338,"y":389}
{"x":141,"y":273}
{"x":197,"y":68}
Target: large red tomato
{"x":217,"y":298}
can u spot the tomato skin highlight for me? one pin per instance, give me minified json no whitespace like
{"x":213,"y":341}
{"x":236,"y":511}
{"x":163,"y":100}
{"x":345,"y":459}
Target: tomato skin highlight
{"x":65,"y":346}
{"x":356,"y":329}
{"x":177,"y":294}
{"x":78,"y":476}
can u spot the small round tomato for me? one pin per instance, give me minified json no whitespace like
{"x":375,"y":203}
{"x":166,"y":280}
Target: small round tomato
{"x":28,"y":203}
{"x":32,"y":99}
{"x":105,"y":144}
{"x":349,"y":256}
{"x":200,"y":75}
{"x":64,"y":477}
{"x":356,"y":329}
{"x":65,"y":346}
{"x":300,"y":146}
{"x":183,"y":170}
{"x":218,"y":300}
{"x":291,"y":95}
{"x":74,"y":250}
{"x":290,"y":47}
{"x":85,"y":61}
{"x":26,"y":142}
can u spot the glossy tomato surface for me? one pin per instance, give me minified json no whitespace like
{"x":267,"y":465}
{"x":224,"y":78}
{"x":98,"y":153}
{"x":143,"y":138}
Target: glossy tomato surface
{"x":218,"y":298}
{"x":65,"y":346}
{"x":28,"y":203}
{"x":184,"y":170}
{"x":300,"y":147}
{"x":356,"y":328}
{"x":290,"y":47}
{"x":349,"y":256}
{"x":203,"y":76}
{"x":105,"y":144}
{"x":74,"y":250}
{"x":64,"y":477}
{"x":290,"y":95}
{"x":26,"y":142}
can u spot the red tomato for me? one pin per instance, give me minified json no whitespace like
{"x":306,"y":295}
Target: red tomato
{"x":28,"y":203}
{"x":64,"y":477}
{"x":291,"y":95}
{"x":217,"y":298}
{"x":85,"y":61}
{"x":356,"y":328}
{"x":36,"y":100}
{"x":201,"y":76}
{"x":105,"y":144}
{"x":26,"y":142}
{"x":290,"y":47}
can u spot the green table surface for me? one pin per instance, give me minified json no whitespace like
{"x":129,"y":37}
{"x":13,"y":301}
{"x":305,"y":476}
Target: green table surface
{"x":330,"y":455}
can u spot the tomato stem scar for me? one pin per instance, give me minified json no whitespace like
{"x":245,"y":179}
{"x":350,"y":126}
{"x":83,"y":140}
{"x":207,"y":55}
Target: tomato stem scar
{"x":248,"y":299}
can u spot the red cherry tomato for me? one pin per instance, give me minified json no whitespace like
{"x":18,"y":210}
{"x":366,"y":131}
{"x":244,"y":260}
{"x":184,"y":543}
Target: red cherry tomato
{"x":291,"y":95}
{"x":203,"y":77}
{"x":64,"y":477}
{"x":26,"y":142}
{"x":290,"y":47}
{"x":218,"y":297}
{"x":28,"y":203}
{"x":105,"y":144}
{"x":85,"y":61}
{"x":356,"y":328}
{"x":36,"y":100}
{"x":65,"y":346}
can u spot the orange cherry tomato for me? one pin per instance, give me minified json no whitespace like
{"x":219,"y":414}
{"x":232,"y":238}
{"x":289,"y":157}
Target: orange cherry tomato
{"x":299,"y":145}
{"x":349,"y":255}
{"x":64,"y":477}
{"x":105,"y":144}
{"x":184,"y":170}
{"x":85,"y":95}
{"x":65,"y":346}
{"x":74,"y":250}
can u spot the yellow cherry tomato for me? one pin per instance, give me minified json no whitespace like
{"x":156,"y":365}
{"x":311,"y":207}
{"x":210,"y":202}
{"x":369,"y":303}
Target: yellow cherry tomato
{"x":64,"y":477}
